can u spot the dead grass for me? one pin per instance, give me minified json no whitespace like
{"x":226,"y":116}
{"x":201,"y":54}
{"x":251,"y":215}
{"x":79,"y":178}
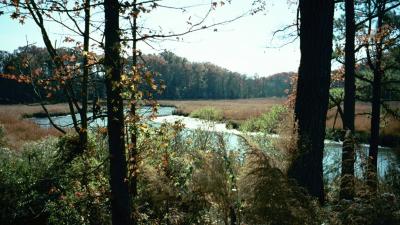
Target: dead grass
{"x":18,"y":130}
{"x":391,"y":126}
{"x":237,"y":110}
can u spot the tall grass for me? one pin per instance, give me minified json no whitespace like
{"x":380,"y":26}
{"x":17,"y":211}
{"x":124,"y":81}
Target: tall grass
{"x":239,"y":110}
{"x":18,"y":130}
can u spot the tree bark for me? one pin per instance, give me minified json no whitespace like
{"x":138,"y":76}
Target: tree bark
{"x":120,"y":201}
{"x":133,"y":151}
{"x":83,"y":134}
{"x":347,"y":175}
{"x":374,"y":141}
{"x":316,"y":29}
{"x":372,"y":179}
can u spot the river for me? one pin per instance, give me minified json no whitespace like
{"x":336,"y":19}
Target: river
{"x":388,"y":159}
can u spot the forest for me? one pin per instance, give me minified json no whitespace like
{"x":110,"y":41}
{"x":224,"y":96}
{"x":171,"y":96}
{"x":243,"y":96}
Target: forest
{"x":183,"y":79}
{"x":96,"y":130}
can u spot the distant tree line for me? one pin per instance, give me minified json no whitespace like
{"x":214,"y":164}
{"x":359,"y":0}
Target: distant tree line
{"x":183,"y":79}
{"x":192,"y":80}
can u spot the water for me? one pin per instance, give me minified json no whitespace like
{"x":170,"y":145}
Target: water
{"x":388,"y":159}
{"x":66,"y":120}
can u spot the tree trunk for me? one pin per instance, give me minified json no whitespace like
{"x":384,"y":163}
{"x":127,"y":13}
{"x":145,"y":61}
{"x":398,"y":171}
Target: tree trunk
{"x":347,"y":176}
{"x":120,"y":201}
{"x":316,"y":28}
{"x":372,"y":180}
{"x":133,"y":151}
{"x":83,"y":134}
{"x":374,"y":141}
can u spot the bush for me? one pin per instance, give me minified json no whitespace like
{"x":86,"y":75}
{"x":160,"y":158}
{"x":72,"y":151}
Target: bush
{"x":2,"y":136}
{"x":380,"y":209}
{"x":24,"y":182}
{"x":37,"y":185}
{"x":186,"y":177}
{"x":167,"y":194}
{"x":207,"y":113}
{"x":267,"y":122}
{"x":269,"y":197}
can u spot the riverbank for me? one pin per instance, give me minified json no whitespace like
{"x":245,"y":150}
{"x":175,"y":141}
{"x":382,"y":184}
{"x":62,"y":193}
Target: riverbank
{"x":234,"y":113}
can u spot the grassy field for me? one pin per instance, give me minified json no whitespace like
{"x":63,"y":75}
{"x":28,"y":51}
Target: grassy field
{"x":18,"y":131}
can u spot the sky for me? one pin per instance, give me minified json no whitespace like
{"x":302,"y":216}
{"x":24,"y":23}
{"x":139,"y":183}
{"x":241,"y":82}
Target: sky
{"x":245,"y":45}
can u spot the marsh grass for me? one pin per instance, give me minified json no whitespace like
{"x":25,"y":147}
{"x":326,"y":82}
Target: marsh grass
{"x":235,"y":112}
{"x":18,"y":130}
{"x":239,"y":110}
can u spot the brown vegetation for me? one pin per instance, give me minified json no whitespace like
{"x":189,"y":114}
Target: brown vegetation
{"x":18,"y":131}
{"x":363,"y":121}
{"x":238,"y":109}
{"x":242,"y":109}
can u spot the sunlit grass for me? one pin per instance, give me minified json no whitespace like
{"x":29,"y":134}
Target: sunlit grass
{"x":241,"y":109}
{"x":18,"y":131}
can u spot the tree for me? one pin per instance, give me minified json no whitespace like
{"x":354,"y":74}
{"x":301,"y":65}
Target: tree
{"x":380,"y":37}
{"x":316,"y":30}
{"x":374,"y":44}
{"x":67,"y":73}
{"x":120,"y":198}
{"x":347,"y":181}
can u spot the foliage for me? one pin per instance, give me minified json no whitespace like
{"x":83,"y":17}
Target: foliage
{"x":269,"y":197}
{"x":366,"y":209}
{"x":207,"y":113}
{"x":37,"y":186}
{"x":186,"y":177}
{"x":2,"y":136}
{"x":267,"y":122}
{"x":23,"y":184}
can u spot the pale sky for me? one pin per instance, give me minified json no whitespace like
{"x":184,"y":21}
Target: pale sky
{"x":242,"y":46}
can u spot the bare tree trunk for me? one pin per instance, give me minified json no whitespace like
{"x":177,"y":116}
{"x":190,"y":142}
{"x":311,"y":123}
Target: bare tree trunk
{"x":347,"y":176}
{"x":374,"y":141}
{"x":312,"y":97}
{"x":372,"y":179}
{"x":83,"y":134}
{"x":120,"y":201}
{"x":133,"y":151}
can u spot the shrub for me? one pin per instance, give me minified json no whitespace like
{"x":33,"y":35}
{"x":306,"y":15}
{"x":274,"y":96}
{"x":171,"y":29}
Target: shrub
{"x":267,"y":122}
{"x":207,"y":113}
{"x":24,"y":182}
{"x":37,"y":185}
{"x":186,"y":177}
{"x":269,"y":197}
{"x":377,"y":209}
{"x":2,"y":136}
{"x":167,"y":194}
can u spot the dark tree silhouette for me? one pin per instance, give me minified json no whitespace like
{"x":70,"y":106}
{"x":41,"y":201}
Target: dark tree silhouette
{"x":316,"y":30}
{"x":120,"y":201}
{"x":378,"y":73}
{"x":347,"y":181}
